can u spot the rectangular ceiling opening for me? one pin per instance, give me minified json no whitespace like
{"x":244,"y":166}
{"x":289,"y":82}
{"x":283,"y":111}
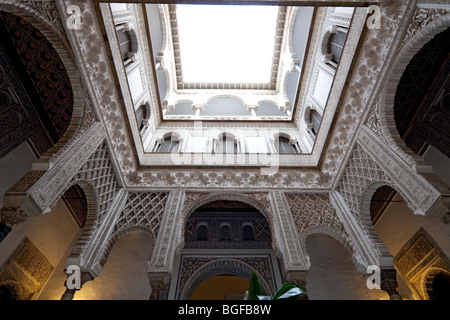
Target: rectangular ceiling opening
{"x":226,"y":43}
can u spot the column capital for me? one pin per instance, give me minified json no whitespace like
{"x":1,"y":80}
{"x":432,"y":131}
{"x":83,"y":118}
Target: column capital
{"x":198,"y":106}
{"x":69,"y":294}
{"x":12,"y":215}
{"x":253,"y":107}
{"x":158,"y":282}
{"x":389,"y":283}
{"x":298,"y":277}
{"x":166,"y":106}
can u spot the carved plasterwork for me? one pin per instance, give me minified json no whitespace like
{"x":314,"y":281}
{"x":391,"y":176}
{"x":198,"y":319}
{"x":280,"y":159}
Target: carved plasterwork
{"x":425,"y":23}
{"x":169,"y":233}
{"x":99,"y":173}
{"x":45,"y":10}
{"x":123,"y":156}
{"x":47,"y":191}
{"x":418,"y":193}
{"x":26,"y":271}
{"x":374,"y":120}
{"x":12,"y":215}
{"x":96,"y":240}
{"x":94,"y":58}
{"x":377,"y":50}
{"x":45,"y":16}
{"x":229,"y":179}
{"x":259,"y":200}
{"x":422,"y":17}
{"x":294,"y":253}
{"x":38,"y":191}
{"x":158,"y":287}
{"x":194,"y":270}
{"x":357,"y":93}
{"x":419,"y":259}
{"x":360,"y":173}
{"x":143,"y":210}
{"x":314,"y":213}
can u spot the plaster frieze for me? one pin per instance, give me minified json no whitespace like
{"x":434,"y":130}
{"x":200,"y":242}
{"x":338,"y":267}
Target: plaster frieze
{"x":377,"y":50}
{"x":419,"y":194}
{"x":169,"y":232}
{"x":313,"y":213}
{"x":143,"y":210}
{"x":422,"y":17}
{"x":294,"y":254}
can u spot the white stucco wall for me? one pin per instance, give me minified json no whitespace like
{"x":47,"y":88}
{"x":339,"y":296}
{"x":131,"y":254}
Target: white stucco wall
{"x":332,"y":275}
{"x":125,"y":273}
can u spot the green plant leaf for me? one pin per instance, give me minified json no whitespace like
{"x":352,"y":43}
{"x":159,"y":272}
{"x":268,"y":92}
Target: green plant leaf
{"x":255,"y":287}
{"x":288,"y":291}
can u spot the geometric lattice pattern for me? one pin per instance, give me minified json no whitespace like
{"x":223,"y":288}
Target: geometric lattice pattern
{"x":190,"y":229}
{"x":98,"y":171}
{"x":360,"y":172}
{"x":316,"y":211}
{"x":262,"y":229}
{"x":143,"y":210}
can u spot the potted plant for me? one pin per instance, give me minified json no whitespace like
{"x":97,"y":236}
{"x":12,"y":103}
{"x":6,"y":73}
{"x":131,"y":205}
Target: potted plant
{"x":287,"y":291}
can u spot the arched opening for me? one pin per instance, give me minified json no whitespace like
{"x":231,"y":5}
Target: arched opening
{"x":36,"y":93}
{"x":332,"y":274}
{"x":422,"y":97}
{"x":221,"y":287}
{"x":124,"y":43}
{"x":314,"y":121}
{"x":440,"y":287}
{"x":225,"y":106}
{"x":75,"y":200}
{"x":389,"y":211}
{"x":284,"y":145}
{"x":335,"y":46}
{"x":248,"y":233}
{"x":239,"y":241}
{"x":226,"y":144}
{"x":224,"y":224}
{"x":406,"y":236}
{"x":202,"y":233}
{"x":128,"y":44}
{"x":125,"y":272}
{"x":225,"y":232}
{"x":380,"y":201}
{"x":169,"y":144}
{"x":141,"y":115}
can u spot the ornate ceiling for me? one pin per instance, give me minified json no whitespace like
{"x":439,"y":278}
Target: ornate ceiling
{"x":421,"y":101}
{"x":40,"y":100}
{"x":357,"y":84}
